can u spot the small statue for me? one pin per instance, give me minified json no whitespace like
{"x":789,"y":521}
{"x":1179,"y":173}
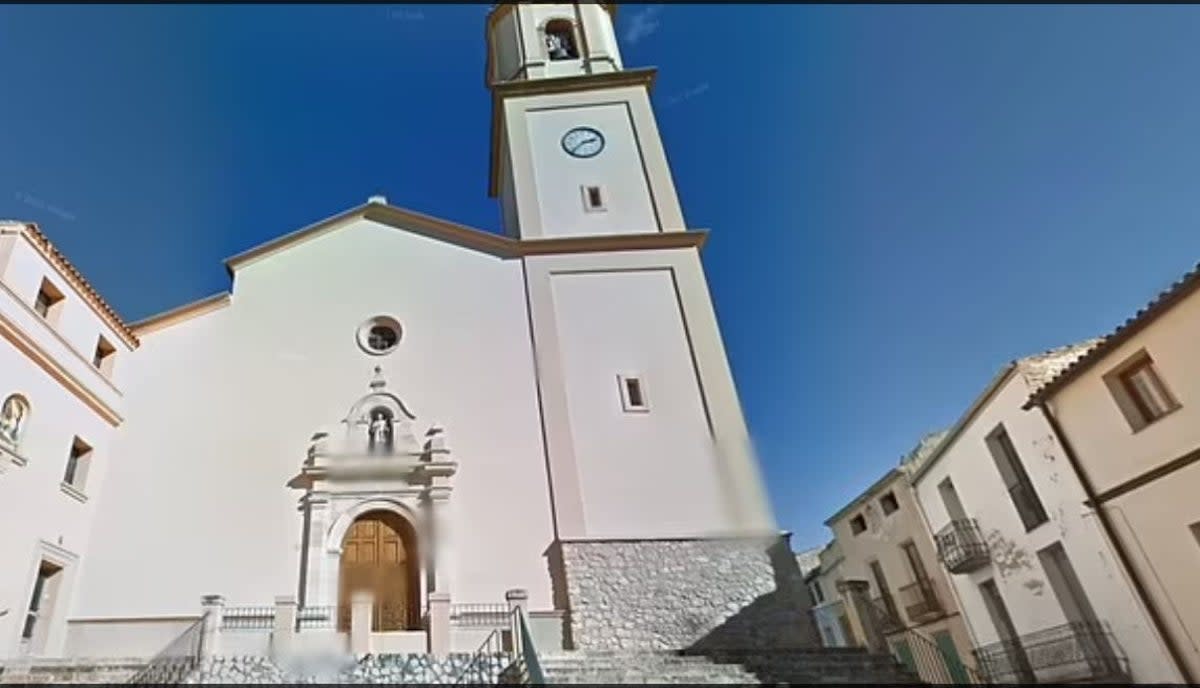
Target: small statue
{"x":12,"y":415}
{"x":380,"y":433}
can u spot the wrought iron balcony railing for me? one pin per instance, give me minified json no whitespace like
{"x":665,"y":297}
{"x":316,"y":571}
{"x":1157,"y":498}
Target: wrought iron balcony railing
{"x":920,"y":600}
{"x":961,"y":546}
{"x":1078,"y":651}
{"x":886,"y":616}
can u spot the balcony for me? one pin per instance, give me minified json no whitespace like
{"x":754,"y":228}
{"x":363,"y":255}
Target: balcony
{"x":961,"y":546}
{"x":920,"y":601}
{"x":1074,"y":652}
{"x":883,"y":608}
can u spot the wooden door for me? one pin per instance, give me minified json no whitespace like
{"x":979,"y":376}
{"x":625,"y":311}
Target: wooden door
{"x":376,"y":558}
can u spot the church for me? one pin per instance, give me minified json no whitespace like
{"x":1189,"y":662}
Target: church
{"x":386,"y":403}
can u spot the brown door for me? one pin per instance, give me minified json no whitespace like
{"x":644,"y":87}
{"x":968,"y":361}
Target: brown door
{"x":375,"y":557}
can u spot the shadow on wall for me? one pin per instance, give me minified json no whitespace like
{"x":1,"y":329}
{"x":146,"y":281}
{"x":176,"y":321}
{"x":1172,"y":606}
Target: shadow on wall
{"x":684,"y":594}
{"x":776,"y":620}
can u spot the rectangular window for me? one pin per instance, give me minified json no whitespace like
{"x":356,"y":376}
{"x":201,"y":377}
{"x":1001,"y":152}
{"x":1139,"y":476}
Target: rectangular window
{"x":48,"y":302}
{"x":104,"y":356}
{"x":889,"y":503}
{"x":1016,"y":480}
{"x":858,"y":524}
{"x":954,"y":507}
{"x":920,"y":575}
{"x":633,"y":393}
{"x":818,"y":595}
{"x":41,"y":601}
{"x":593,"y":199}
{"x":78,"y":462}
{"x":1139,"y":391}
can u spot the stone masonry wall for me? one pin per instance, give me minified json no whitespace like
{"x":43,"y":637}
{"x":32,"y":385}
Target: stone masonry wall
{"x":673,"y":594}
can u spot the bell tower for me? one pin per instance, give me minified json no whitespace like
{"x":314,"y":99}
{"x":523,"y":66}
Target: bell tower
{"x":575,"y":145}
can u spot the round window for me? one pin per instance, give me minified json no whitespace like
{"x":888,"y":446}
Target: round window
{"x":379,"y":335}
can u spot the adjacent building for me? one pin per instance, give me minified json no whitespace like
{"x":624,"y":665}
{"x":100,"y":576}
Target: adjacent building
{"x":885,"y":542}
{"x":64,"y":357}
{"x":829,"y":612}
{"x":1042,"y":592}
{"x":1127,"y":414}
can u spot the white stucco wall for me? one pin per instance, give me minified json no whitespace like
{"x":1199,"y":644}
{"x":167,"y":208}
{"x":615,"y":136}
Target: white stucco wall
{"x":683,"y":469}
{"x":1154,"y":520}
{"x":632,"y":169}
{"x":1015,"y":567}
{"x":642,"y":473}
{"x":222,"y":407}
{"x":78,"y":325}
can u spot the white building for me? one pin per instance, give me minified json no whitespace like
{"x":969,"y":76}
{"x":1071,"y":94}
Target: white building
{"x":389,"y":401}
{"x":1039,"y":586}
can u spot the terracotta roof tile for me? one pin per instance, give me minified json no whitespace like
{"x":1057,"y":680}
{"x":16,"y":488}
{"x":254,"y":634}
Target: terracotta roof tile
{"x":59,"y":261}
{"x":1160,"y":304}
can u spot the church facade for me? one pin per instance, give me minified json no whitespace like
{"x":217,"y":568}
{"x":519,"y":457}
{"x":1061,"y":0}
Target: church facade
{"x":390,"y":402}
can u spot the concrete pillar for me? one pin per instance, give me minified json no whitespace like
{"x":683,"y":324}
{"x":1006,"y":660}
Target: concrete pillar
{"x":361,"y":604}
{"x":439,"y":623}
{"x":518,"y":604}
{"x":858,"y":603}
{"x":213,"y":608}
{"x":282,"y":638}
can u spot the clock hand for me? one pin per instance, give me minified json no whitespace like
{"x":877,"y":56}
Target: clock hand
{"x":583,"y":143}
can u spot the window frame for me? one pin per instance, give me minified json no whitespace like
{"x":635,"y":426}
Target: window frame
{"x":1130,"y":400}
{"x":858,"y":530}
{"x":890,"y":494}
{"x":628,"y":404}
{"x":53,"y":303}
{"x":79,"y":464}
{"x":1000,"y":445}
{"x":586,"y":192}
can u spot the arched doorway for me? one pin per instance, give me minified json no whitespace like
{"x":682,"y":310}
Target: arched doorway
{"x":379,"y":553}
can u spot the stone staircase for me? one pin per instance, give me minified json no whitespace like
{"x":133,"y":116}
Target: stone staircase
{"x":817,"y":665}
{"x":624,"y":667}
{"x":771,"y":667}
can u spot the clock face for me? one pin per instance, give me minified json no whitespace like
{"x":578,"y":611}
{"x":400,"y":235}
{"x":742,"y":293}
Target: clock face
{"x":583,"y":142}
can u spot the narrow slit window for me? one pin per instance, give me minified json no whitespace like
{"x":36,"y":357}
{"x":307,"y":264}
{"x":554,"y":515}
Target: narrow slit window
{"x":78,"y":462}
{"x":593,"y":199}
{"x":633,"y":393}
{"x":634,"y":388}
{"x":48,"y":301}
{"x":104,"y":356}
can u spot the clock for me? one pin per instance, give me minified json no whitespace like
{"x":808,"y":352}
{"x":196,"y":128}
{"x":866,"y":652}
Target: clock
{"x":583,"y":142}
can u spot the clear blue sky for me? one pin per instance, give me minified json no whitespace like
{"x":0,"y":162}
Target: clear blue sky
{"x":901,"y":199}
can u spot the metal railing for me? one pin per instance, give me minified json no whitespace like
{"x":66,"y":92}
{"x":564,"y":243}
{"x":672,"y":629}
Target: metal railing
{"x":313,"y":618}
{"x":479,"y":615}
{"x":883,"y":608}
{"x":176,"y":660}
{"x":1077,"y":651}
{"x":920,"y":601}
{"x":932,"y":664}
{"x":961,"y":546}
{"x":493,"y":658}
{"x":533,"y":674}
{"x":248,"y":619}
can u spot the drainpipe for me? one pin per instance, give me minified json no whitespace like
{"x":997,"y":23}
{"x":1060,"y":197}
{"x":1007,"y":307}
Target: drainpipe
{"x":1111,"y":532}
